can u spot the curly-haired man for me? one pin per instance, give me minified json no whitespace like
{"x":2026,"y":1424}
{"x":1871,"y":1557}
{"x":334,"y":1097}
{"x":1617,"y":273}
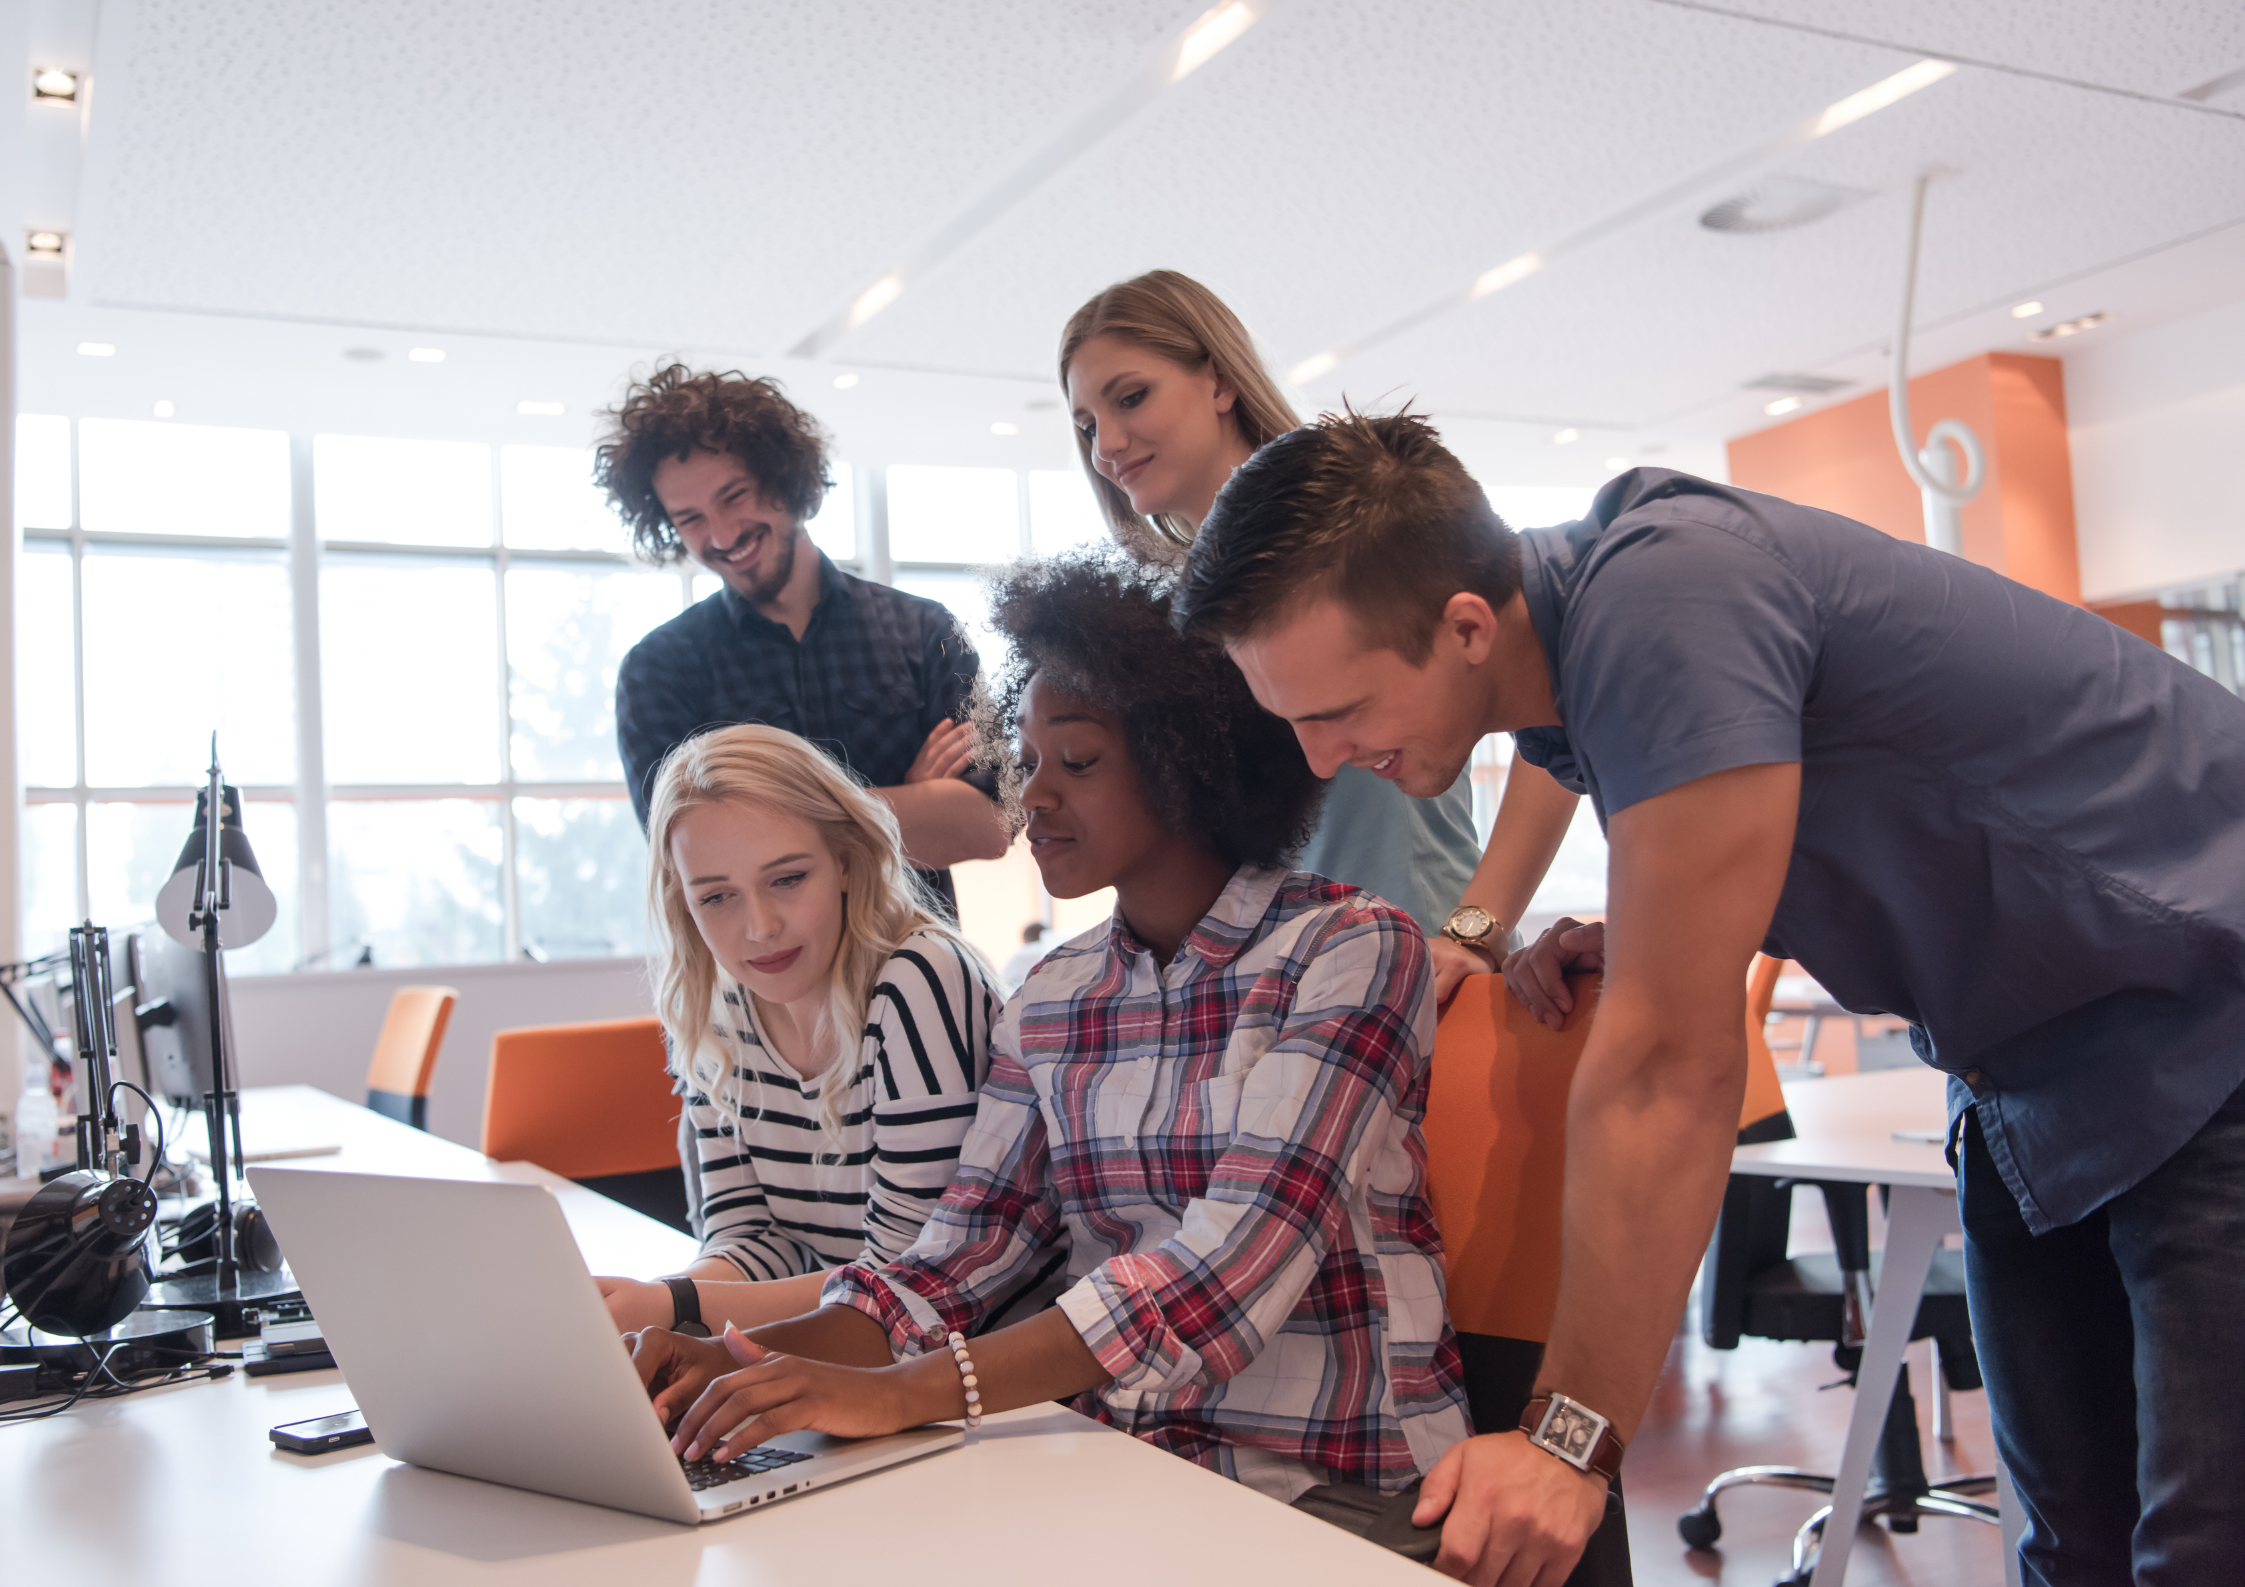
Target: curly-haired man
{"x":725,"y":470}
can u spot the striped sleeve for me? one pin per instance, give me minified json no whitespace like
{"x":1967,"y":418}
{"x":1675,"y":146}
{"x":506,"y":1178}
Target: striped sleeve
{"x":928,"y":1045}
{"x":736,"y":1216}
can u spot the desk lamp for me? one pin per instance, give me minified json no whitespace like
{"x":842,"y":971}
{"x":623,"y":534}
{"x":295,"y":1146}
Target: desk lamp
{"x":216,"y":899}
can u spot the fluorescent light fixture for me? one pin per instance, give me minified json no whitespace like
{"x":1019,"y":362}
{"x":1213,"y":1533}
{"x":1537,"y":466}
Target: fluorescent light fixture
{"x":1566,"y":437}
{"x":1870,"y":101}
{"x":1617,"y":464}
{"x":1505,"y":274}
{"x":1204,"y":39}
{"x":1781,"y":407}
{"x":1004,"y":427}
{"x":539,"y":410}
{"x":875,"y":298}
{"x":424,"y":355}
{"x":164,"y":408}
{"x":97,"y":349}
{"x":54,"y":85}
{"x":1310,"y":368}
{"x":45,"y":243}
{"x":845,"y":381}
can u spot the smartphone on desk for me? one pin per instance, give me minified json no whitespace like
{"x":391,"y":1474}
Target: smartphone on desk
{"x":322,"y":1434}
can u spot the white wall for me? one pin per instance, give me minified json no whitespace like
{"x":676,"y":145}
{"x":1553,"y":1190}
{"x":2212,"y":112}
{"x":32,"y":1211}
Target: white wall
{"x":2157,"y":420}
{"x":319,"y":1029}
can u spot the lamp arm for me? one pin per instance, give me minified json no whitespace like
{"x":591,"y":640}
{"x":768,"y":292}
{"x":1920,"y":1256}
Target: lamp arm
{"x":1926,"y":478}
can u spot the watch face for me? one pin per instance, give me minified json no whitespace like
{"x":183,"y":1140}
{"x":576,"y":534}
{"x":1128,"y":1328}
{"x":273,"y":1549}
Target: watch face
{"x":1471,"y":922}
{"x":1572,"y":1430}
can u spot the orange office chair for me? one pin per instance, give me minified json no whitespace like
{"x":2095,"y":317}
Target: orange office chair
{"x":592,"y":1103}
{"x":1496,"y":1134}
{"x":405,"y":1054}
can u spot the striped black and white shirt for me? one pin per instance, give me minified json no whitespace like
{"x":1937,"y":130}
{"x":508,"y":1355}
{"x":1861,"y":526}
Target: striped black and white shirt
{"x":777,"y":1197}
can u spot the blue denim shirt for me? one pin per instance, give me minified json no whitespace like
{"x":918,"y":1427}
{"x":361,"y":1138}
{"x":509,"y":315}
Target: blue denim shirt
{"x":2021,"y":828}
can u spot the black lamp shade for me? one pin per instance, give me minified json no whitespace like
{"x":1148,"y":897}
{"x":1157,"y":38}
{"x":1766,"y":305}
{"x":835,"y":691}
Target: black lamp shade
{"x":75,"y":1259}
{"x":252,"y":908}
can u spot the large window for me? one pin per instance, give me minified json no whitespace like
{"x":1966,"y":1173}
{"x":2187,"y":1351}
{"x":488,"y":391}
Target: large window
{"x":408,"y":652}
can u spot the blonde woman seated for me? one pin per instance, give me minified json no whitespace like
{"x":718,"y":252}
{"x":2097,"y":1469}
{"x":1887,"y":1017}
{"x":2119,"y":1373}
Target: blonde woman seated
{"x":829,"y":1031}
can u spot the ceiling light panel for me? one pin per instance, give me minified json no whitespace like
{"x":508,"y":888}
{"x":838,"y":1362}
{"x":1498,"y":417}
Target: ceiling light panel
{"x":1481,"y":83}
{"x":895,"y":111}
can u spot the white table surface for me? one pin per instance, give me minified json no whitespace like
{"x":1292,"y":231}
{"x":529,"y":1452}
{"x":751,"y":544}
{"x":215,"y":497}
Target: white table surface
{"x":1845,"y":1128}
{"x":181,"y":1486}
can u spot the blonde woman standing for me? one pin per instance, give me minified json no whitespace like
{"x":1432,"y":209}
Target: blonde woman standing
{"x":828,"y":1029}
{"x":1168,"y":397}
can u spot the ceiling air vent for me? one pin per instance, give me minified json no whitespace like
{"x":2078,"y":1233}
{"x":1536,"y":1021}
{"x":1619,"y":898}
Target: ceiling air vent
{"x":1804,"y":385}
{"x":1779,"y":203}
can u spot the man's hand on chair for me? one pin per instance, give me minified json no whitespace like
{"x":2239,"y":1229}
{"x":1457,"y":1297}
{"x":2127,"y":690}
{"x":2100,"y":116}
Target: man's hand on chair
{"x":1453,"y":962}
{"x":1513,"y":1512}
{"x":1537,"y":974}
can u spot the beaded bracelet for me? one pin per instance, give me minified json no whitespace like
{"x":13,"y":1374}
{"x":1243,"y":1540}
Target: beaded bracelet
{"x":967,"y":1378}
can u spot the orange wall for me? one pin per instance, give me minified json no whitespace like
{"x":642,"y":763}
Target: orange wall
{"x":2021,"y":524}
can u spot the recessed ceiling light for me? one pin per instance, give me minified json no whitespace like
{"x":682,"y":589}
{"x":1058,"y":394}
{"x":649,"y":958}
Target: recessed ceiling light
{"x":1781,"y":407}
{"x":54,"y":85}
{"x":875,"y":298}
{"x":1312,"y":367}
{"x":540,"y":410}
{"x":163,"y":408}
{"x":1565,"y":437}
{"x":1506,"y":274}
{"x":843,"y":382}
{"x":1217,"y":27}
{"x":1779,"y":203}
{"x":425,"y":355}
{"x":1617,"y":464}
{"x":48,"y":243}
{"x":1004,"y":427}
{"x":2027,"y":310}
{"x":98,"y":349}
{"x":2069,"y":327}
{"x":1845,"y":112}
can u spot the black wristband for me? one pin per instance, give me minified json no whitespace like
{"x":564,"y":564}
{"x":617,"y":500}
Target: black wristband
{"x":686,"y":1309}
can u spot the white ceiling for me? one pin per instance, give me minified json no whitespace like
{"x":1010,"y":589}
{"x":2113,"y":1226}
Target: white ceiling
{"x":557,"y":191}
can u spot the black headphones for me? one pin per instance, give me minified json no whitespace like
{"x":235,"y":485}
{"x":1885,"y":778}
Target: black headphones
{"x":254,"y":1244}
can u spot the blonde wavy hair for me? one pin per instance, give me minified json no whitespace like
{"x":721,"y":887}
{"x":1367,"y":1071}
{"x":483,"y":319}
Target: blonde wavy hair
{"x":760,"y":768}
{"x":1174,"y":316}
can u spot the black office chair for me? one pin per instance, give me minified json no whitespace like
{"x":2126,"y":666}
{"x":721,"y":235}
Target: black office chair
{"x":1748,"y":1285}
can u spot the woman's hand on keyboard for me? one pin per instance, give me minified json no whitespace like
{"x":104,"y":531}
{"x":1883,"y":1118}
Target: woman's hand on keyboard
{"x":675,"y":1369}
{"x":773,"y":1394}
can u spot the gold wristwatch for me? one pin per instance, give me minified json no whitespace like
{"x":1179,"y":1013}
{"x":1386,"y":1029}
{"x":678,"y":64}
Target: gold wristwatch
{"x":1471,"y":926}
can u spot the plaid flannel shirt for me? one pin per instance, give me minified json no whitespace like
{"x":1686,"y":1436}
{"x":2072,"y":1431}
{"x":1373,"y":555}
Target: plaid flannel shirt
{"x":1225,"y":1157}
{"x":874,"y":672}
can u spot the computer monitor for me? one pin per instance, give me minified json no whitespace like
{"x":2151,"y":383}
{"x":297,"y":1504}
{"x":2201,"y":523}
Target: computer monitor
{"x":174,"y":990}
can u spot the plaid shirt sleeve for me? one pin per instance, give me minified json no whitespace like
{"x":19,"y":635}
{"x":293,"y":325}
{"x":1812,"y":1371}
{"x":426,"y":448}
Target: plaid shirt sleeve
{"x":997,"y":1229}
{"x":1314,"y":1111}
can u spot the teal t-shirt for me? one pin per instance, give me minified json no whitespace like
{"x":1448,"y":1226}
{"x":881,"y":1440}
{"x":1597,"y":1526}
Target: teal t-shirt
{"x":1418,"y":854}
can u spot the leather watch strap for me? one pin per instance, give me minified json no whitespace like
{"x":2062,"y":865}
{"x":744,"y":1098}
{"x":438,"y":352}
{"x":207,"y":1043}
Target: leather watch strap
{"x":686,"y":1309}
{"x":1605,"y":1456}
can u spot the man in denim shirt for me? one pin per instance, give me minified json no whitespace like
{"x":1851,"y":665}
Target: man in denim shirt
{"x":726,"y":470}
{"x":1950,"y":798}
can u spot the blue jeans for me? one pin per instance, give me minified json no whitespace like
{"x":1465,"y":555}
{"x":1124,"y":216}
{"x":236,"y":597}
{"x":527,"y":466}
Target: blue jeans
{"x":2114,"y":1353}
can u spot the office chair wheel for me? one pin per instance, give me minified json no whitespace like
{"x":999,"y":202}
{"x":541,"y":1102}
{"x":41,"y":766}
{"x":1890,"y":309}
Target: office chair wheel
{"x":1900,"y":1523}
{"x":1700,"y":1528}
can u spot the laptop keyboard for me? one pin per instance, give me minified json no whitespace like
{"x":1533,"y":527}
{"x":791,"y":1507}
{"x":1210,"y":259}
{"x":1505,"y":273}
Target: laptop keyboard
{"x":705,"y":1474}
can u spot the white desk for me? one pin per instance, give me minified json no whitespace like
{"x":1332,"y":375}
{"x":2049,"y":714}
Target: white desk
{"x":1846,"y":1131}
{"x":179,"y":1485}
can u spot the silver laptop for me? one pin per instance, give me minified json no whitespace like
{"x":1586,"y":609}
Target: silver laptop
{"x":476,"y":1343}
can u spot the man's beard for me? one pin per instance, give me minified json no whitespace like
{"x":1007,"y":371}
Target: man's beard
{"x":764,"y":590}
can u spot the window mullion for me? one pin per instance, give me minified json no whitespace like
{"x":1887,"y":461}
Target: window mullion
{"x":510,"y":899}
{"x":313,"y":926}
{"x":873,"y":526}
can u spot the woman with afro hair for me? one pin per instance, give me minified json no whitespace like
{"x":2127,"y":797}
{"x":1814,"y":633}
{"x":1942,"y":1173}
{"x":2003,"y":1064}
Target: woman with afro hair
{"x":1201,"y":1123}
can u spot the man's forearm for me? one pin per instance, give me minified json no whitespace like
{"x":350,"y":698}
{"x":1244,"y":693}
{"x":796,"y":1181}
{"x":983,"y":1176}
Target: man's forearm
{"x":944,"y":821}
{"x":1649,"y":1137}
{"x":1532,"y":821}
